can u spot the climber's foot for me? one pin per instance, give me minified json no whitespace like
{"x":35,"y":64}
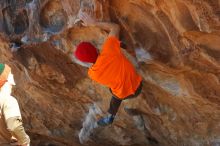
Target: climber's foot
{"x":106,"y":120}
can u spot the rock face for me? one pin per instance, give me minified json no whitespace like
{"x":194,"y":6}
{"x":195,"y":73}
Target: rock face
{"x":177,"y":42}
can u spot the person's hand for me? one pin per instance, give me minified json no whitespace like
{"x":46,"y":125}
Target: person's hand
{"x":14,"y":142}
{"x":87,"y":20}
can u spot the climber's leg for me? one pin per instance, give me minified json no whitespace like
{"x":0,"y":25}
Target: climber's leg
{"x":113,"y":109}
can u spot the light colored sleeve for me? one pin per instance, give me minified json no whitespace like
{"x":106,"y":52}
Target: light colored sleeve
{"x":15,"y":126}
{"x":13,"y":119}
{"x":11,"y":108}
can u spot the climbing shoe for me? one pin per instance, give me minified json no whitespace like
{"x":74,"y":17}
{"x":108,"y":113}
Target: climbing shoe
{"x":106,"y":120}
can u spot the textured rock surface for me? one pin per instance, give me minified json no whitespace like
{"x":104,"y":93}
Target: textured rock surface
{"x":181,"y":92}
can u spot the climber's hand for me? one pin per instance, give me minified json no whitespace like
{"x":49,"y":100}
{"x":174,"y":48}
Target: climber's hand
{"x":87,"y":20}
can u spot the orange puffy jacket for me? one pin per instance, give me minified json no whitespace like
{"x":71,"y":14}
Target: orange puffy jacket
{"x":114,"y":70}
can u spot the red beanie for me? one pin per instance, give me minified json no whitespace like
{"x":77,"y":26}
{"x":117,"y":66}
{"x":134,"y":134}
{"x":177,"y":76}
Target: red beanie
{"x":86,"y":52}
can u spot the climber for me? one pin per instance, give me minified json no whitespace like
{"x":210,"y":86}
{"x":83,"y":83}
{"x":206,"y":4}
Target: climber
{"x":11,"y":129}
{"x":110,"y":68}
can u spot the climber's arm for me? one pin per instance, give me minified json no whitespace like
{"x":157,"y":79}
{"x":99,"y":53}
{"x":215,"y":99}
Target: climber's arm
{"x":112,"y":28}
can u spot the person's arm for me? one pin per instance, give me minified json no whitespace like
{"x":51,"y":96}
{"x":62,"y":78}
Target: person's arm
{"x":13,"y":121}
{"x":112,"y":28}
{"x":14,"y":125}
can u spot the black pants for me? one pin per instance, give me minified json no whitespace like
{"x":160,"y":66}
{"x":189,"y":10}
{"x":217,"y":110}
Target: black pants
{"x":116,"y":102}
